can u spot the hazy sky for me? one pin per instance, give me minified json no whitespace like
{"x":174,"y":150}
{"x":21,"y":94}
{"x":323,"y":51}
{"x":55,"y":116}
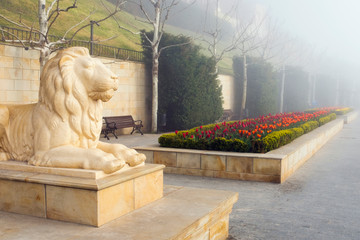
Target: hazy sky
{"x":331,"y":25}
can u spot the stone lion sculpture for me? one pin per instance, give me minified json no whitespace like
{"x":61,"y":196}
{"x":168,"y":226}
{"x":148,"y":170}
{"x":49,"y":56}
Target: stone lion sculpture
{"x":63,"y":128}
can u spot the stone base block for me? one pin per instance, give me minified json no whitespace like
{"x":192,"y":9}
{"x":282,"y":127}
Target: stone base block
{"x":77,"y":195}
{"x":182,"y":214}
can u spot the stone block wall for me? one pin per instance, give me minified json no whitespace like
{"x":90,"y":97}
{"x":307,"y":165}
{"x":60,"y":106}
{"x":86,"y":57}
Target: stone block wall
{"x":228,"y":86}
{"x":19,"y":75}
{"x":133,"y":96}
{"x":20,"y":80}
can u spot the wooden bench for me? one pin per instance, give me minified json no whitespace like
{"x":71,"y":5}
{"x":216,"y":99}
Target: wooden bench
{"x":111,"y":124}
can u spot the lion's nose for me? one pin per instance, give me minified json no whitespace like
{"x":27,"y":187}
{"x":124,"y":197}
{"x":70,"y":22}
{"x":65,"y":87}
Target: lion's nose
{"x":116,"y":82}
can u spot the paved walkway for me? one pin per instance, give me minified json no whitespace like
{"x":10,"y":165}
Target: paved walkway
{"x":321,"y":200}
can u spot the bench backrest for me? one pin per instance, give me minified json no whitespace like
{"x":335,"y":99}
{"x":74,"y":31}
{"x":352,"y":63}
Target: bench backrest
{"x":121,"y":121}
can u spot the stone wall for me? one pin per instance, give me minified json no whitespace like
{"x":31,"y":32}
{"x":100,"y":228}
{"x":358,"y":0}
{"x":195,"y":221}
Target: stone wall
{"x":20,"y":74}
{"x":133,"y":96}
{"x":228,"y":85}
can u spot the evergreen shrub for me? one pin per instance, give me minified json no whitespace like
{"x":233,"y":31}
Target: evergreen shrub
{"x":327,"y":119}
{"x":343,"y":111}
{"x":189,"y":90}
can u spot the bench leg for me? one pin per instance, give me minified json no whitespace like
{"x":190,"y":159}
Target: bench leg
{"x":113,"y":132}
{"x":106,"y":135}
{"x":138,"y":129}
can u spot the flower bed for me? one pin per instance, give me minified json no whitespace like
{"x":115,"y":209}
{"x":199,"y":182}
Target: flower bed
{"x":343,"y":111}
{"x":258,"y":135}
{"x":336,"y":110}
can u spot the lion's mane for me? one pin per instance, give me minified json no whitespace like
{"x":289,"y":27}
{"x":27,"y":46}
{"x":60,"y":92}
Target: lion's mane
{"x":63,"y":93}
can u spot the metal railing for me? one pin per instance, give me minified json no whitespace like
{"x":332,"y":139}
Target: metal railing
{"x":15,"y":34}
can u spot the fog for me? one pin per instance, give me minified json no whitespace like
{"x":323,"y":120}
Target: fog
{"x":329,"y":30}
{"x":326,"y":32}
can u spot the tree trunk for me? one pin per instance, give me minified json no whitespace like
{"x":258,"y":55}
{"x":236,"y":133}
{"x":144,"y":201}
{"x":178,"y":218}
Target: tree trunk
{"x":313,"y":91}
{"x":243,"y":100}
{"x":309,"y":91}
{"x":337,"y":93}
{"x":43,"y":25}
{"x":282,"y":90}
{"x":155,"y":66}
{"x":155,"y":80}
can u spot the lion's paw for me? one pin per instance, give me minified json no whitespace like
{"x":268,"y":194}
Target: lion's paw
{"x":136,"y":159}
{"x":113,"y":166}
{"x":4,"y":156}
{"x":40,"y":160}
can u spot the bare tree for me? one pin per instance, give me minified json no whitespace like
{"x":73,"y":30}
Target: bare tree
{"x":248,"y":41}
{"x":47,"y":17}
{"x":157,"y":18}
{"x":214,"y":31}
{"x":281,"y":50}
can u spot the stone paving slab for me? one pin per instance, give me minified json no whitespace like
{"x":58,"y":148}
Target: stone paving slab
{"x":320,"y":201}
{"x":180,"y":214}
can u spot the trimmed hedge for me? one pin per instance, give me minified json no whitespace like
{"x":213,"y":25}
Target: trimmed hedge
{"x":309,"y":126}
{"x":280,"y":138}
{"x":270,"y":142}
{"x":343,"y":111}
{"x":218,"y":144}
{"x":327,"y":119}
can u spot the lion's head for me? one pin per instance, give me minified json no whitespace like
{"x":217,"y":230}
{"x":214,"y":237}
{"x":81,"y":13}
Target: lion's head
{"x":73,"y":84}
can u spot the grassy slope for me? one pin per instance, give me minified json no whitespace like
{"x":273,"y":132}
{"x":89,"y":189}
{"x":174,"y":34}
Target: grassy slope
{"x":27,"y":11}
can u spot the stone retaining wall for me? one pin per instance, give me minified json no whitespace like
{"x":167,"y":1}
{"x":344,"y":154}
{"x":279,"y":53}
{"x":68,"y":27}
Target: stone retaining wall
{"x":20,"y":74}
{"x":274,"y":166}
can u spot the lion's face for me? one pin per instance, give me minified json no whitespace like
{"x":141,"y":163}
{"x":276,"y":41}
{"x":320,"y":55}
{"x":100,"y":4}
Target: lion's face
{"x":99,"y":81}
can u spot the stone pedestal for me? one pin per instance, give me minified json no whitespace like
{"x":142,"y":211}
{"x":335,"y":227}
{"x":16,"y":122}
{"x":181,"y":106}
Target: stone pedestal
{"x":125,"y":201}
{"x":76,"y":195}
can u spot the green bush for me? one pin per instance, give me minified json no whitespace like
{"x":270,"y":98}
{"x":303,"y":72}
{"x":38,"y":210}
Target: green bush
{"x":309,"y":126}
{"x":173,"y":140}
{"x":189,"y":90}
{"x":343,"y":111}
{"x":262,"y":86}
{"x":278,"y":138}
{"x":327,"y":119}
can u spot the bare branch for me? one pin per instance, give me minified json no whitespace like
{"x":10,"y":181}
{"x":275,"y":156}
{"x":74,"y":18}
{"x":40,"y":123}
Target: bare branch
{"x":147,"y":38}
{"x":58,"y":10}
{"x":107,"y":39}
{"x":117,"y":22}
{"x":168,"y":9}
{"x":71,"y":28}
{"x":22,"y":25}
{"x":51,"y":6}
{"x":145,"y":13}
{"x":14,"y":41}
{"x":116,"y":10}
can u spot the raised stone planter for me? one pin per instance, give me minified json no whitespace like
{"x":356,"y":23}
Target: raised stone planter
{"x":349,"y":117}
{"x":274,"y":166}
